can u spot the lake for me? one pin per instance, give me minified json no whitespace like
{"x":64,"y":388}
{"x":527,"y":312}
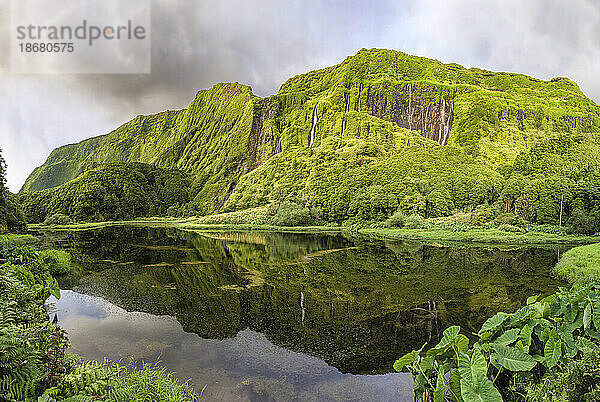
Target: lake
{"x":271,"y":316}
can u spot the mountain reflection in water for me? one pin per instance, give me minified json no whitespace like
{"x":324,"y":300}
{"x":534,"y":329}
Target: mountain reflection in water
{"x":282,"y":313}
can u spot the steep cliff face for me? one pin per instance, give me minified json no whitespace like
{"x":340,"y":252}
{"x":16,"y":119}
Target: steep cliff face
{"x":425,"y":108}
{"x":376,"y":104}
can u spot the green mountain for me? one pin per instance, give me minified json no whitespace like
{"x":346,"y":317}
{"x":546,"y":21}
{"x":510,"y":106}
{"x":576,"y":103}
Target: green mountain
{"x":380,"y":131}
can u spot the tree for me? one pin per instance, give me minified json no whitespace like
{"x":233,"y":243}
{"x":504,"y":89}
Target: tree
{"x":11,"y":216}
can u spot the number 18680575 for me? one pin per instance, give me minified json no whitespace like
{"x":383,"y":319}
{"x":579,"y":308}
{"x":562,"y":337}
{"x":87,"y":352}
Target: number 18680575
{"x":35,"y":47}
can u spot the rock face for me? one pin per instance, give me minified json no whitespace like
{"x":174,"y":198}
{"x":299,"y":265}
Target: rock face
{"x":424,"y":108}
{"x":385,"y":100}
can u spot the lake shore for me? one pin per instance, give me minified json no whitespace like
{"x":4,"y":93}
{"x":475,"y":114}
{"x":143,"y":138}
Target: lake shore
{"x":580,"y":264}
{"x":482,"y":236}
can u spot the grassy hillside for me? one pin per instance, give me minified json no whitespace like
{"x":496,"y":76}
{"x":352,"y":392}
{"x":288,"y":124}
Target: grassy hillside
{"x":380,"y":131}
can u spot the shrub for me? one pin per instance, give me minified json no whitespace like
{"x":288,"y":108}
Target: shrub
{"x":509,"y":219}
{"x":550,"y":229}
{"x":111,"y":381}
{"x":484,"y":214}
{"x":395,"y":221}
{"x":356,"y":223}
{"x":414,"y":221}
{"x":510,"y":228}
{"x":461,"y":217}
{"x":581,"y":222}
{"x":58,"y":262}
{"x":58,"y":219}
{"x":578,"y":380}
{"x":254,"y":216}
{"x":316,"y":213}
{"x":292,"y":214}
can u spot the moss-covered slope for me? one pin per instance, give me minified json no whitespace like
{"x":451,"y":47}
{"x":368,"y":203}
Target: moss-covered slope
{"x":379,"y":112}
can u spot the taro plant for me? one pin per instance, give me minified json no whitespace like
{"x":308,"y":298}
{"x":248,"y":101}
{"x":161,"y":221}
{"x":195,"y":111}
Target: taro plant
{"x":541,"y":335}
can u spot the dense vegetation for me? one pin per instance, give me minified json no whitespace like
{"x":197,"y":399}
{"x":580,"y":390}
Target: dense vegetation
{"x":381,"y":132}
{"x":114,"y":191}
{"x":528,"y":355}
{"x":33,"y":362}
{"x":11,"y":216}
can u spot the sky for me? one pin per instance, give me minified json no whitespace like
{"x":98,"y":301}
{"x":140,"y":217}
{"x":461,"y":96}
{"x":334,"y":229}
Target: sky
{"x":261,"y":43}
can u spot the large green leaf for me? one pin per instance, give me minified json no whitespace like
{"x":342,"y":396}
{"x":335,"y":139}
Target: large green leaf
{"x":472,"y":368}
{"x":426,"y":364}
{"x":455,"y":385}
{"x":450,"y":334}
{"x":581,"y":293}
{"x":552,"y":351}
{"x":571,"y":313}
{"x":508,"y":337}
{"x":461,"y":342}
{"x":565,"y":333}
{"x":584,"y":344}
{"x":419,"y":385}
{"x":405,"y":360}
{"x":527,"y":332}
{"x":493,"y":322}
{"x":587,"y":316}
{"x":440,"y":388}
{"x":520,"y":315}
{"x":512,"y":358}
{"x":596,"y":315}
{"x":474,"y":383}
{"x":54,"y":288}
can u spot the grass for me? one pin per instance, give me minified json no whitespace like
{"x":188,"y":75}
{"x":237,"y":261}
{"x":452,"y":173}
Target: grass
{"x":580,"y":264}
{"x":479,"y":236}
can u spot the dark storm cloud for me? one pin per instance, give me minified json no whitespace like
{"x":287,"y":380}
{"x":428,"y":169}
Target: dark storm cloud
{"x":261,"y":43}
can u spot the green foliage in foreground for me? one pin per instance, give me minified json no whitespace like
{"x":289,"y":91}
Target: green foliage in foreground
{"x":578,"y":380}
{"x":537,"y":338}
{"x":580,"y":264}
{"x":33,"y":363}
{"x":25,"y":331}
{"x":115,"y":383}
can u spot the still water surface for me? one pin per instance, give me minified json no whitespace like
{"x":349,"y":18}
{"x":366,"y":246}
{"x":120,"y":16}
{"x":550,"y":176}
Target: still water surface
{"x":266,"y":316}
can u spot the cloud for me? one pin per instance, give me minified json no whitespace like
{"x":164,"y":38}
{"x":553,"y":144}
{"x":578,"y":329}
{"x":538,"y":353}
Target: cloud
{"x":262,"y":43}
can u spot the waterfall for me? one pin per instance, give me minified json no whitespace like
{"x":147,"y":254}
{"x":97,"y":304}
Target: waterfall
{"x":277,"y":146}
{"x":448,"y":123}
{"x":311,"y":139}
{"x":302,"y":307}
